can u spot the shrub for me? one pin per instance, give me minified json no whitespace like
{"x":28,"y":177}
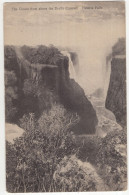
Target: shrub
{"x":30,"y":87}
{"x":10,"y":95}
{"x":111,"y":160}
{"x":11,"y":164}
{"x":73,"y":175}
{"x":36,"y":94}
{"x":39,"y":150}
{"x":88,"y":146}
{"x":42,"y":54}
{"x":10,"y":60}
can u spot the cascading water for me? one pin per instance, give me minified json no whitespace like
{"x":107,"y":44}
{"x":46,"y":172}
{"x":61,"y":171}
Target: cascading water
{"x":107,"y":74}
{"x":72,"y":72}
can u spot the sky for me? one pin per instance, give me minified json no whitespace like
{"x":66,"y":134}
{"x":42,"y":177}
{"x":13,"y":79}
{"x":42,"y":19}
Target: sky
{"x":90,"y":28}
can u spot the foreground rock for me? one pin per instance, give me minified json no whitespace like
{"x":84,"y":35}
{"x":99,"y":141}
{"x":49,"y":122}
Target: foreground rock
{"x":106,"y":119}
{"x":12,"y":132}
{"x":106,"y":125}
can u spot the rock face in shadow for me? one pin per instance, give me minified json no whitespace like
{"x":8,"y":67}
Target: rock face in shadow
{"x":47,"y":68}
{"x":71,"y":95}
{"x":116,"y":95}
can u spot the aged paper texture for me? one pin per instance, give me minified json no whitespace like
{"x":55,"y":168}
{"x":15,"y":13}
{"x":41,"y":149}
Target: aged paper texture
{"x":65,"y":96}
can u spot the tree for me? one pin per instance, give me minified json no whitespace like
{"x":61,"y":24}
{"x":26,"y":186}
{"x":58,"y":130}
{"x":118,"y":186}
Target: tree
{"x":10,"y":95}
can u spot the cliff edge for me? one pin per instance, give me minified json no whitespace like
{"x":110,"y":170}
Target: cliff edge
{"x":116,"y":95}
{"x":43,"y":79}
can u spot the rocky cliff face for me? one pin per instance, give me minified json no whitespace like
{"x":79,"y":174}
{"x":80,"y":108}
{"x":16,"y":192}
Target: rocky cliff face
{"x":116,"y":95}
{"x":43,"y":76}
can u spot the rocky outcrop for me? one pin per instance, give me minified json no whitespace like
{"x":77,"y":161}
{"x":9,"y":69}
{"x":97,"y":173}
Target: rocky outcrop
{"x":47,"y":69}
{"x":116,"y":95}
{"x":13,"y":132}
{"x":71,"y":95}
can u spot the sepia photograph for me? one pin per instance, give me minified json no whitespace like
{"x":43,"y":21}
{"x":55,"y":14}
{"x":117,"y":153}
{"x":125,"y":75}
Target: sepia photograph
{"x":65,"y":96}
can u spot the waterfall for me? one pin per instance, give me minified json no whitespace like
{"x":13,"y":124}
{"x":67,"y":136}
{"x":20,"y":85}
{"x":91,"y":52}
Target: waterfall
{"x":72,"y":72}
{"x":107,"y":74}
{"x":23,"y":63}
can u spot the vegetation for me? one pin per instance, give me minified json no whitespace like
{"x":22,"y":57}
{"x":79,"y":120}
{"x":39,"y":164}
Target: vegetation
{"x":10,"y":58}
{"x":113,"y":163}
{"x":88,"y":147}
{"x":11,"y":95}
{"x":48,"y":157}
{"x":35,"y":155}
{"x":42,"y":54}
{"x":73,"y":175}
{"x":21,"y":91}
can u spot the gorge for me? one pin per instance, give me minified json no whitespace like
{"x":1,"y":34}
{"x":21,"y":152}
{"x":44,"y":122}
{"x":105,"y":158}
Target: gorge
{"x":53,"y":76}
{"x":53,"y":121}
{"x":41,"y":82}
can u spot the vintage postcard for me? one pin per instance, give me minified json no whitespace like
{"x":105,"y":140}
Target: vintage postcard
{"x":65,"y":96}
